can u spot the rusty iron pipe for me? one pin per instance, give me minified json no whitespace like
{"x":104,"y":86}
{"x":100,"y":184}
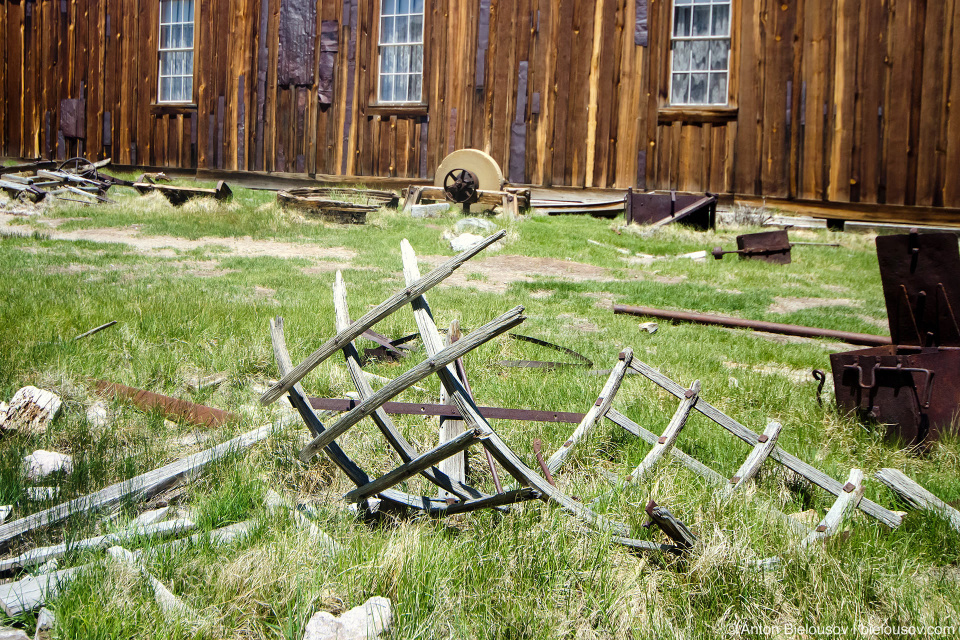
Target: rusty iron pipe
{"x":757,"y":325}
{"x":173,"y":408}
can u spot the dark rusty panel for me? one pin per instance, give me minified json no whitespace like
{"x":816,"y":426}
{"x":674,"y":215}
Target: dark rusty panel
{"x":921,"y":285}
{"x":915,"y":391}
{"x":483,"y":43}
{"x":170,"y":407}
{"x":329,"y":45}
{"x":298,"y":33}
{"x":450,"y":411}
{"x":350,"y":16}
{"x":693,"y":210}
{"x":770,"y":246}
{"x":73,"y":121}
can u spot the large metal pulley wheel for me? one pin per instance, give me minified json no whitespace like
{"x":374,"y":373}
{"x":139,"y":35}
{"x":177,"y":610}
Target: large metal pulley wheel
{"x":461,"y":186}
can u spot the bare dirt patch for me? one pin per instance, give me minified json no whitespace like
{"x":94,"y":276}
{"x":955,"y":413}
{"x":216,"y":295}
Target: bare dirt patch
{"x":162,"y":245}
{"x":789,"y":305}
{"x":500,"y":271}
{"x":797,"y":376}
{"x":604,"y":300}
{"x":580,"y":324}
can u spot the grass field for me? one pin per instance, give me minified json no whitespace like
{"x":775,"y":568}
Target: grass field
{"x":193,"y":290}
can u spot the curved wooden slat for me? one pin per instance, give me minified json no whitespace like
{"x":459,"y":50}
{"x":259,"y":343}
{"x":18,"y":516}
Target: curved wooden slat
{"x":665,"y":441}
{"x":764,"y":447}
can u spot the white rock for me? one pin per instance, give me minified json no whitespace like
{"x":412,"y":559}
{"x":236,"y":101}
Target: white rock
{"x":367,"y":621}
{"x":429,"y":210}
{"x":30,"y":410}
{"x":41,"y":464}
{"x":696,"y":255}
{"x":649,"y":327}
{"x":97,"y":415}
{"x":9,"y":633}
{"x":49,"y":566}
{"x":42,"y":493}
{"x":46,"y":622}
{"x":478,"y":225}
{"x":464,"y":242}
{"x":4,"y":512}
{"x":149,"y":517}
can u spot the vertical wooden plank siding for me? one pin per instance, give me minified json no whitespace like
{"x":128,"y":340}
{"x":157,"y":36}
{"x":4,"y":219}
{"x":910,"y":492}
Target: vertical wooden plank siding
{"x":834,"y":100}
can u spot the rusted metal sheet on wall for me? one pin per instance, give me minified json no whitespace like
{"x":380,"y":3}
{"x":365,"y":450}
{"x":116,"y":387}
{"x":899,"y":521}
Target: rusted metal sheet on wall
{"x":329,"y":45}
{"x":73,"y":124}
{"x":483,"y":42}
{"x":350,"y":15}
{"x":640,"y":31}
{"x":518,"y":130}
{"x":298,"y":32}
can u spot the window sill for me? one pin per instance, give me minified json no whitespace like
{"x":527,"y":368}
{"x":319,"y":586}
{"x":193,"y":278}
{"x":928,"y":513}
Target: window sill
{"x":172,"y":108}
{"x":396,"y":110}
{"x":696,"y":114}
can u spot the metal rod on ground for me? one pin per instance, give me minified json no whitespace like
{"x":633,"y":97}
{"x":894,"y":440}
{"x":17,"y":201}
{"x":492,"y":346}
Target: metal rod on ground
{"x":171,"y":407}
{"x":96,"y":329}
{"x":756,"y":325}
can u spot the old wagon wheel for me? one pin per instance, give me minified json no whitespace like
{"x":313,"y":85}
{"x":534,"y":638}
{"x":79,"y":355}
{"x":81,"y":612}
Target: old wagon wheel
{"x":461,"y":186}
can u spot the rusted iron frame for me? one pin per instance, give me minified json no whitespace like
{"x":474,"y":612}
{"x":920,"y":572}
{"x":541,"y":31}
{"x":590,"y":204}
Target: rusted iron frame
{"x":185,"y":410}
{"x":756,"y":325}
{"x":584,"y":361}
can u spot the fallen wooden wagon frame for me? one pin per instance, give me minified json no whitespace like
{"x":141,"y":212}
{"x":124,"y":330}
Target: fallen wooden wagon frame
{"x":179,"y":195}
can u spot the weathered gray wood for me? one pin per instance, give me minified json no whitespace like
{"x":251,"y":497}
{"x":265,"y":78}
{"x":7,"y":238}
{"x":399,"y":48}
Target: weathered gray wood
{"x":412,"y":198}
{"x":138,"y":488}
{"x":503,"y":454}
{"x":675,"y":530}
{"x":651,"y":438}
{"x":374,"y":316}
{"x":384,"y":422}
{"x":759,"y":453}
{"x":843,"y":506}
{"x":173,"y":608}
{"x":300,"y":402}
{"x":28,"y":594}
{"x":916,"y":496}
{"x":42,"y":554}
{"x":96,"y":329}
{"x":429,"y":366}
{"x":595,"y":414}
{"x":487,"y":502}
{"x":273,"y":501}
{"x":645,"y":545}
{"x":666,"y":441}
{"x":415,"y":466}
{"x":456,"y":465}
{"x":792,"y":462}
{"x":217,"y":538}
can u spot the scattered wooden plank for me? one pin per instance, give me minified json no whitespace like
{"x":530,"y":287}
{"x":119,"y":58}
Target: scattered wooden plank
{"x":138,"y":488}
{"x":373,"y":316}
{"x":793,"y":463}
{"x":96,"y":330}
{"x":916,"y":496}
{"x":40,"y":555}
{"x":28,"y":594}
{"x":456,"y":465}
{"x":479,"y":336}
{"x":765,"y":445}
{"x":666,"y":441}
{"x":173,"y":608}
{"x":217,"y":538}
{"x":844,"y":505}
{"x":178,"y":195}
{"x":596,"y":412}
{"x":274,"y":502}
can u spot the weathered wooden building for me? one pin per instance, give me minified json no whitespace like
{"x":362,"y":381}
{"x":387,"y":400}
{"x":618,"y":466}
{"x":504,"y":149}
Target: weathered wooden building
{"x":819,"y":101}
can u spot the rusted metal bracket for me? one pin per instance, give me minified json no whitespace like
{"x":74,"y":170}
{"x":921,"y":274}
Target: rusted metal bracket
{"x":666,"y":522}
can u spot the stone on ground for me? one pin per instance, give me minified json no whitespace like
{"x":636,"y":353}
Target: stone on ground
{"x":475,"y":225}
{"x":30,"y":411}
{"x":369,"y":620}
{"x":9,"y":633}
{"x":42,"y":463}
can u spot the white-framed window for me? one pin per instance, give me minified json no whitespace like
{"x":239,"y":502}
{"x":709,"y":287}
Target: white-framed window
{"x":401,"y":52}
{"x":176,"y":51}
{"x":700,"y":52}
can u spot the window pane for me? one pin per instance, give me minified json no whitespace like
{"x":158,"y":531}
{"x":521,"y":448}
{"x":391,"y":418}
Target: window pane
{"x":698,"y":59}
{"x":165,"y":89}
{"x":416,"y":64}
{"x":681,"y":55}
{"x":175,"y":13}
{"x":721,"y":20}
{"x":165,"y":11}
{"x":188,"y":11}
{"x":416,"y":29}
{"x":698,"y":88}
{"x":680,"y":88}
{"x":416,"y":83}
{"x":177,"y":92}
{"x":683,"y":2}
{"x":701,"y":21}
{"x":388,"y":7}
{"x":418,"y":6}
{"x":681,"y":21}
{"x":188,"y":89}
{"x":718,"y":88}
{"x":388,"y":60}
{"x":719,"y":52}
{"x":187,"y":36}
{"x":188,"y":63}
{"x":400,"y":29}
{"x":166,"y":38}
{"x":386,"y":30}
{"x":403,"y":6}
{"x":386,"y":88}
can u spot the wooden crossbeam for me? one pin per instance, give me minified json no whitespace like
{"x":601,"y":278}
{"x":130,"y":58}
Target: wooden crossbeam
{"x":916,"y":496}
{"x":761,"y":451}
{"x":415,"y":466}
{"x":666,"y":441}
{"x":429,"y":366}
{"x":596,"y":412}
{"x":792,"y":462}
{"x":842,"y":507}
{"x":374,"y":316}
